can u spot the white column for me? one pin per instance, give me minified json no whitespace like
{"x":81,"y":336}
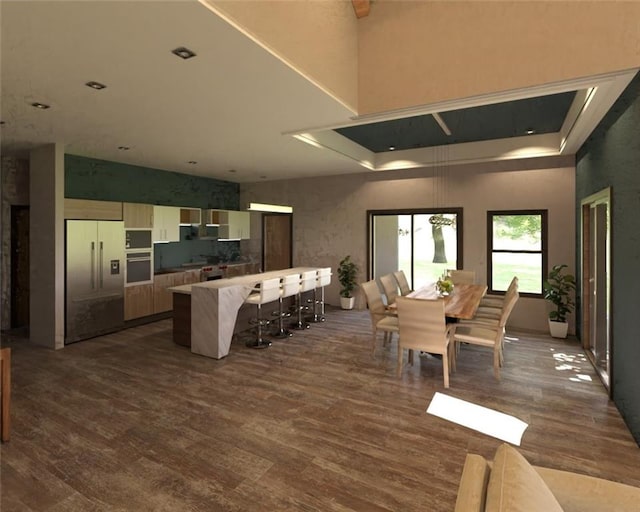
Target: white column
{"x":46,"y":246}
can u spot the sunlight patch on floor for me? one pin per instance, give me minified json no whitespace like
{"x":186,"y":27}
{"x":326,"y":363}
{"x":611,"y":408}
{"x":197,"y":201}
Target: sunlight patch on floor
{"x":485,"y":420}
{"x":572,"y":363}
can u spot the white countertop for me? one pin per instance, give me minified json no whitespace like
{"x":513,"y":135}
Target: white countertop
{"x":249,"y":280}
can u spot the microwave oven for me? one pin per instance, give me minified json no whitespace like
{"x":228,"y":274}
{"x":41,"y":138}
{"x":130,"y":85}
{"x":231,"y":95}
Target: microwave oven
{"x":136,"y":239}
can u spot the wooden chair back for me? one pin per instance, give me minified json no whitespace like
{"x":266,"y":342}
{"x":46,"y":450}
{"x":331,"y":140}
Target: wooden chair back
{"x":390,"y":287}
{"x":403,"y":284}
{"x":462,"y":276}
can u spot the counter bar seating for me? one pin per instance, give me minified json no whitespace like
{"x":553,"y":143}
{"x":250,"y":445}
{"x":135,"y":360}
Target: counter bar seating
{"x":323,"y":278}
{"x":290,"y":286}
{"x":307,"y":283}
{"x":266,"y":291}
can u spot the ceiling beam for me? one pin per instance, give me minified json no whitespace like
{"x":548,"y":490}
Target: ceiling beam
{"x":361,"y":7}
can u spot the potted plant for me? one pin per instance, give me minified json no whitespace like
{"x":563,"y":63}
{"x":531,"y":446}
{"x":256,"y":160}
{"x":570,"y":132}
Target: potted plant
{"x":557,"y":289}
{"x":347,"y":271}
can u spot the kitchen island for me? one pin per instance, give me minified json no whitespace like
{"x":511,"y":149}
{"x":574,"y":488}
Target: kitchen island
{"x":214,"y":307}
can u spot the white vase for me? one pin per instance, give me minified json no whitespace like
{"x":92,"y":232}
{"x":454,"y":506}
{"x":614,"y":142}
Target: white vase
{"x":347,"y":302}
{"x":558,"y":329}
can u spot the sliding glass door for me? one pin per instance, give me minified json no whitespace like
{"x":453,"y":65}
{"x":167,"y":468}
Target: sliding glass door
{"x":422,"y":243}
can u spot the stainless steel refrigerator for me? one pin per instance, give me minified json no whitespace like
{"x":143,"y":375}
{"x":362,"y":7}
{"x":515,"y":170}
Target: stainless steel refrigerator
{"x":95,"y":278}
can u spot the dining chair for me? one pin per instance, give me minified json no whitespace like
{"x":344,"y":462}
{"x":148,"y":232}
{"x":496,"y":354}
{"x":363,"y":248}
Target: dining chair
{"x":390,"y":287}
{"x":493,"y":310}
{"x":381,"y":319}
{"x":496,"y":301}
{"x":403,"y":284}
{"x":486,"y":333}
{"x":423,"y":328}
{"x":462,"y":276}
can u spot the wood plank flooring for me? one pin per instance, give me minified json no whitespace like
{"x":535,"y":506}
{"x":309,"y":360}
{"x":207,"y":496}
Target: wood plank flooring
{"x":133,"y":422}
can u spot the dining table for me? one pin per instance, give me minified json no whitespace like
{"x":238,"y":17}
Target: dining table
{"x":462,"y":302}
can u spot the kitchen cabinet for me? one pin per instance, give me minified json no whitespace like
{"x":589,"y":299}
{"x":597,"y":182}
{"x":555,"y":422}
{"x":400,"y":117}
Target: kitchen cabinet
{"x":234,"y":225}
{"x":241,"y":269}
{"x":163,"y":299}
{"x":137,"y":215}
{"x":88,"y":209}
{"x":211,"y":217}
{"x":191,"y":276}
{"x":166,"y":223}
{"x":138,"y":301}
{"x":190,"y":216}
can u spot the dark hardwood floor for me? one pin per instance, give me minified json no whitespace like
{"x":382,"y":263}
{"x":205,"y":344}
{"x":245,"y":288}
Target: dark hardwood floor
{"x":133,"y":422}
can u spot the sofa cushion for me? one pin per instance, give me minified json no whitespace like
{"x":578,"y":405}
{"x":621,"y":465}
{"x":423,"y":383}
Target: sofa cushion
{"x":582,"y":493}
{"x":515,"y":486}
{"x":472,"y":491}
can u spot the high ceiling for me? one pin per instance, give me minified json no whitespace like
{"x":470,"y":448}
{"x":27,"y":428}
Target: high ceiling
{"x":234,"y":111}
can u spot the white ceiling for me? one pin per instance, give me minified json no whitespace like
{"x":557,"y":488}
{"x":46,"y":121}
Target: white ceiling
{"x":227,"y":108}
{"x":232,"y":107}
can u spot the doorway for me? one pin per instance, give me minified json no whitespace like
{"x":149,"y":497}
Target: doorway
{"x":596,"y":283}
{"x":19,"y":266}
{"x":277,"y":248}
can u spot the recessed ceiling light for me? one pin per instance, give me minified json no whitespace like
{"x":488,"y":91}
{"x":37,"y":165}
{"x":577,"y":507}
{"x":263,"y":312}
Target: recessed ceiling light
{"x":392,"y":148}
{"x":41,"y":106}
{"x":96,"y":85}
{"x":263,"y":177}
{"x":232,"y":170}
{"x":530,"y":131}
{"x":192,"y":162}
{"x":1,"y":122}
{"x":183,"y":53}
{"x":124,"y":148}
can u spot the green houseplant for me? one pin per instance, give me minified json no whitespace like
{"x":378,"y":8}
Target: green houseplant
{"x":557,"y":289}
{"x":347,"y":271}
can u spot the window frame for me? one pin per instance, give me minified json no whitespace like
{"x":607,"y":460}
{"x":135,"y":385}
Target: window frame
{"x":458,"y":211}
{"x":543,"y":249}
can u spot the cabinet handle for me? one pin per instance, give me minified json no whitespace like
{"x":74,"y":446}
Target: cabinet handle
{"x":93,"y":265}
{"x":101,"y":263}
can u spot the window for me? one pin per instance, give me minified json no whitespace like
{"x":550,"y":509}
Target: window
{"x":517,"y":245}
{"x":423,"y":243}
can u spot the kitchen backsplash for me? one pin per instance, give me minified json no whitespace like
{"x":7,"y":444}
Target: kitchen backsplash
{"x":174,"y":254}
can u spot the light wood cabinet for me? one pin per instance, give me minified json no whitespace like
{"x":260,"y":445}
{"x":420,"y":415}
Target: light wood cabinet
{"x":88,"y":209}
{"x":190,"y":216}
{"x":166,"y":223}
{"x":191,"y":276}
{"x":234,"y":225}
{"x":211,"y":217}
{"x":137,"y":215}
{"x":138,"y":301}
{"x":163,"y":299}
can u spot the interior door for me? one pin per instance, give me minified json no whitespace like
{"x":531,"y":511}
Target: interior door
{"x":596,"y":245}
{"x":19,"y":266}
{"x":277,"y":246}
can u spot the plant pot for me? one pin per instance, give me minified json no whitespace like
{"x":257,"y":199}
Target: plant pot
{"x":347,"y":302}
{"x":558,"y":329}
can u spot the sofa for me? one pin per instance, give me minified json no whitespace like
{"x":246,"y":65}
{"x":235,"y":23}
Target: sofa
{"x":511,"y":484}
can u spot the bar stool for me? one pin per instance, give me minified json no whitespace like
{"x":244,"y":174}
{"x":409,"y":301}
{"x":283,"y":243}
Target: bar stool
{"x":266,"y":291}
{"x":290,"y":286}
{"x":323,"y":278}
{"x":307,"y":283}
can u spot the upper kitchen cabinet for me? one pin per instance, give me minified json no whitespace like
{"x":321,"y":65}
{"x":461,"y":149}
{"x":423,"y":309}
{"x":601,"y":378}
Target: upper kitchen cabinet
{"x":234,"y":225}
{"x":137,"y":215}
{"x":166,"y":223}
{"x":190,"y":216}
{"x":88,"y":209}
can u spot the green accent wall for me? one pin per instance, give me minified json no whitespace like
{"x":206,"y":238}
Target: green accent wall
{"x":89,"y":178}
{"x":611,"y":158}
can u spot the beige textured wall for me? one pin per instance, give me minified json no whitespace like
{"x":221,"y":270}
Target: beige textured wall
{"x":317,"y":38}
{"x":330,"y":213}
{"x":421,"y":52}
{"x":46,"y":257}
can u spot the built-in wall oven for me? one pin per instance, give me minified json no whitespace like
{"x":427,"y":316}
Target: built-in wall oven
{"x":139,"y":257}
